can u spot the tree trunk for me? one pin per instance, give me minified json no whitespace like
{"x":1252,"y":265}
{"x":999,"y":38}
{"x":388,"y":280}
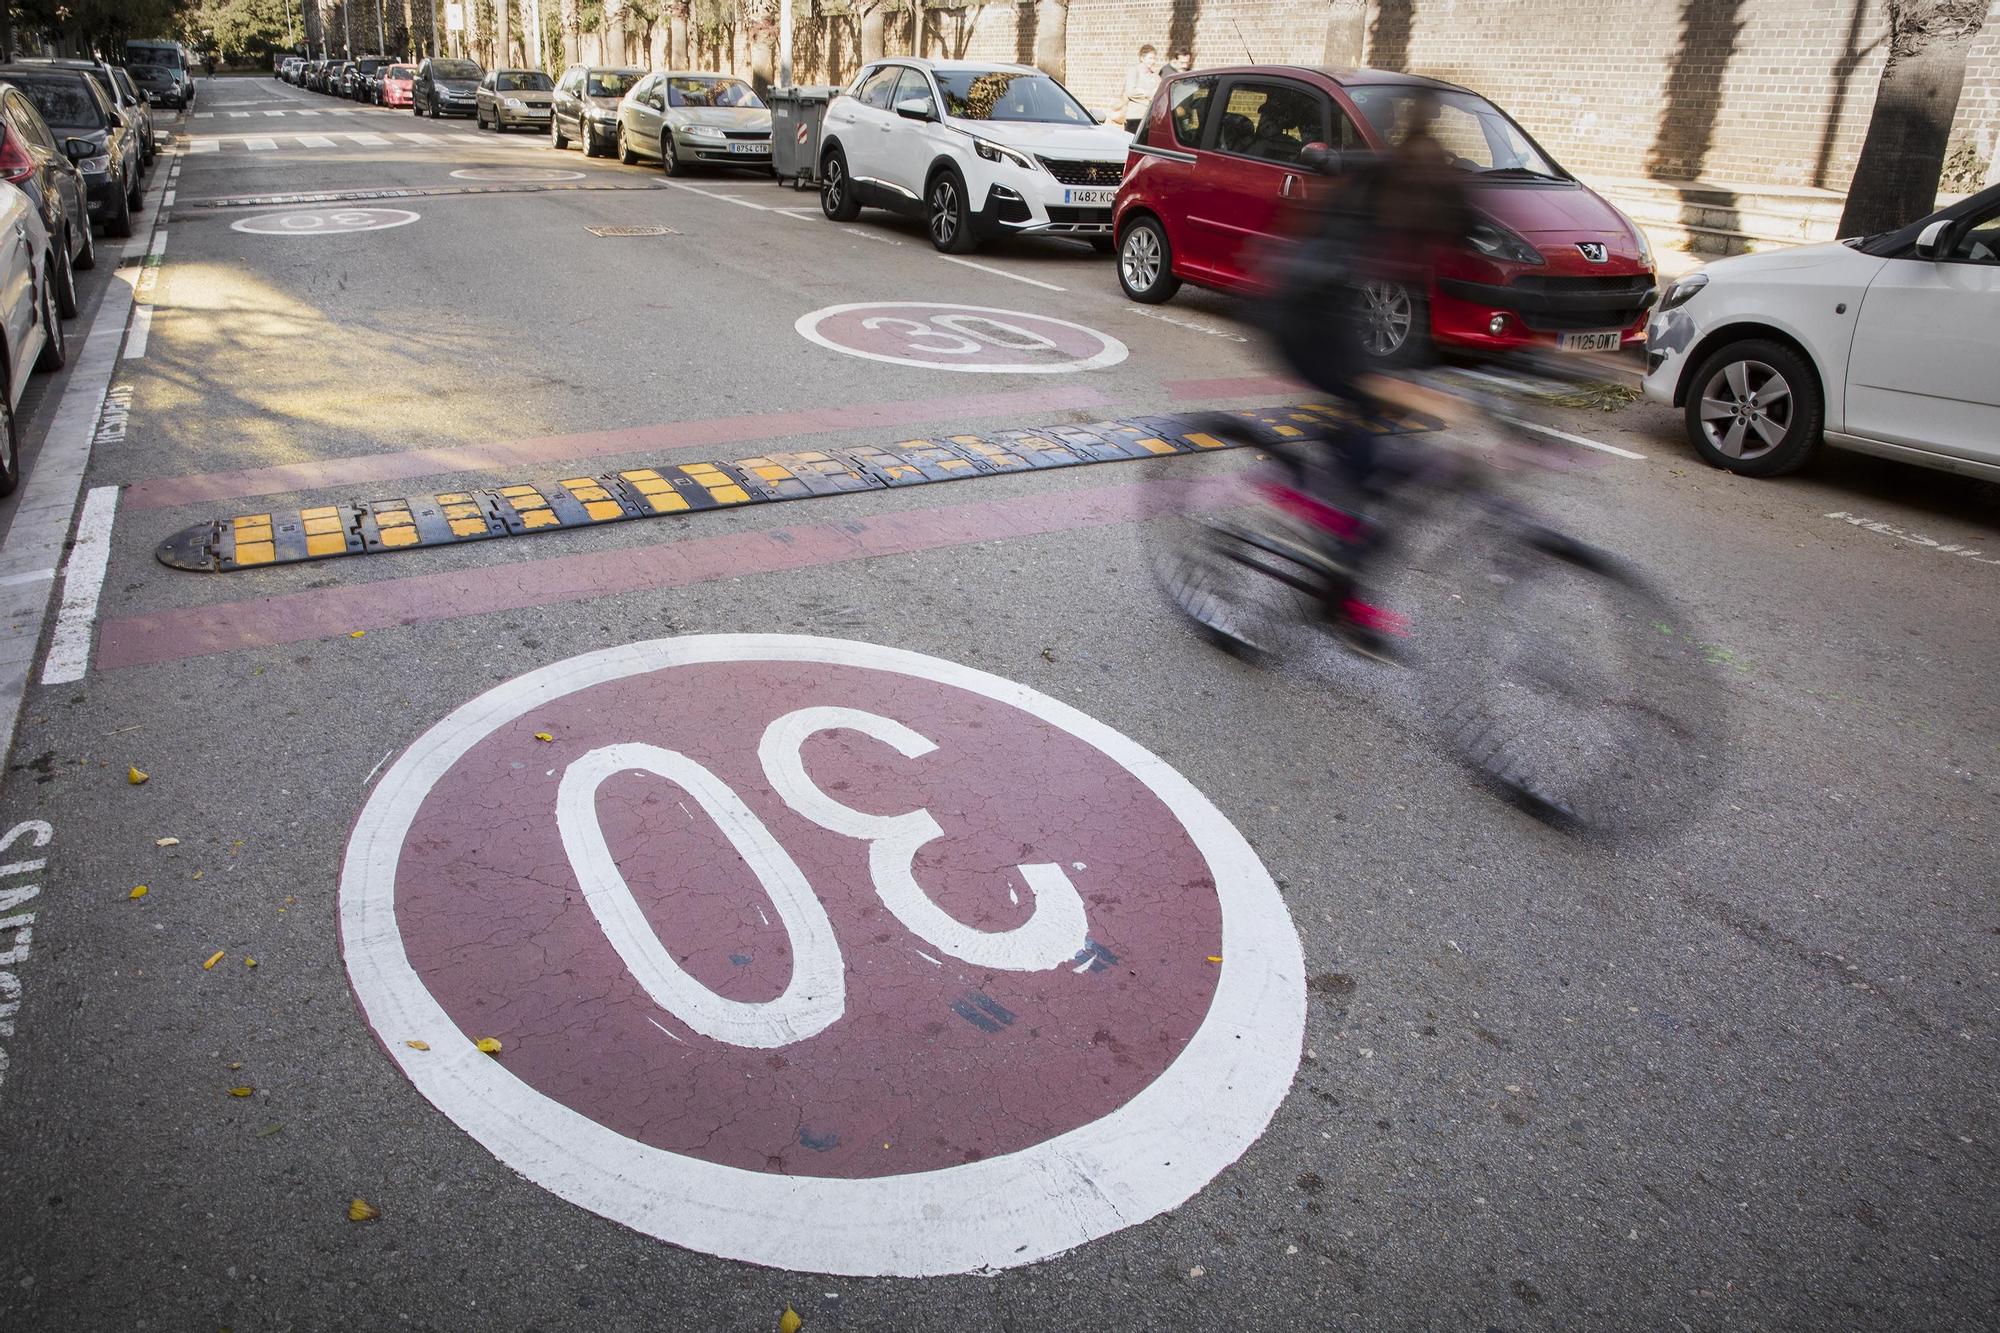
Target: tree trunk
{"x":1909,"y":131}
{"x":1051,"y":36}
{"x":874,"y":18}
{"x":1346,"y":32}
{"x":677,"y":38}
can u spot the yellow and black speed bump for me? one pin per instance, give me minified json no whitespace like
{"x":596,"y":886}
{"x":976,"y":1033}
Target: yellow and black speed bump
{"x":250,"y":541}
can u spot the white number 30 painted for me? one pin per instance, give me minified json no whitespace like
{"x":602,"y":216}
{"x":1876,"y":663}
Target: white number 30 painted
{"x":815,"y":997}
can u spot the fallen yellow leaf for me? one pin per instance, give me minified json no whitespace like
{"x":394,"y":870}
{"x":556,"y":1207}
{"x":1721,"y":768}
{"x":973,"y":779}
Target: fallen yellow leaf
{"x":489,"y":1045}
{"x":789,"y":1321}
{"x":1215,"y":958}
{"x":213,"y":959}
{"x":197,"y":874}
{"x":543,"y":736}
{"x":241,"y":1092}
{"x":136,"y":776}
{"x":236,"y":1064}
{"x":138,"y":892}
{"x":362,"y":1211}
{"x":166,"y":842}
{"x":418,"y":1045}
{"x":249,"y":962}
{"x":355,"y":634}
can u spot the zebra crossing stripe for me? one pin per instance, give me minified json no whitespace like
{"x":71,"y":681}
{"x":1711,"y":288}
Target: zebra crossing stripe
{"x":204,"y":146}
{"x":367,"y":140}
{"x":260,"y":145}
{"x":314,"y":141}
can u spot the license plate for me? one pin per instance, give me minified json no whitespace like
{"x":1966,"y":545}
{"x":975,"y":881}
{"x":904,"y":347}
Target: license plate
{"x":759,"y":148}
{"x":1591,"y":342}
{"x":1089,"y":197}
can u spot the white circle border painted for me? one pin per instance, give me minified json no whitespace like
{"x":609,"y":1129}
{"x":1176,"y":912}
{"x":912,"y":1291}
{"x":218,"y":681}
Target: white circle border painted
{"x":807,"y":326}
{"x":520,"y":175}
{"x":391,"y":217}
{"x":1142,"y":1159}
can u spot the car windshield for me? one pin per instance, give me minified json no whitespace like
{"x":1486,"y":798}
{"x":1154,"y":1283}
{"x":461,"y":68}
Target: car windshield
{"x":710,"y":92}
{"x":454,"y":69}
{"x":150,"y":74}
{"x":610,"y":83}
{"x":65,"y":103}
{"x":1476,"y":134}
{"x":1004,"y":94}
{"x":532,"y":81}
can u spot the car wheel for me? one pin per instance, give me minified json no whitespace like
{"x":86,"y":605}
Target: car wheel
{"x":434,"y":109}
{"x":120,"y":221}
{"x":136,"y":194}
{"x":1146,"y":263}
{"x":1394,"y":323}
{"x":1104,"y":245}
{"x":946,"y":217}
{"x":88,"y":259}
{"x":1755,"y":408}
{"x":65,"y":280}
{"x":556,"y":139}
{"x":55,"y":348}
{"x":670,"y":155}
{"x":625,"y":153}
{"x":836,"y":191}
{"x":10,"y":440}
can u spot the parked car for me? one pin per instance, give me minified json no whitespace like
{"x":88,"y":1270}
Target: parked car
{"x":397,"y":82}
{"x":1888,"y":344}
{"x":159,"y":85}
{"x":340,"y":83}
{"x":313,"y":77}
{"x":30,"y":330}
{"x":140,"y":135}
{"x":1215,"y":183}
{"x":75,"y":107}
{"x":679,"y":119}
{"x":511,"y":97}
{"x":366,"y":71}
{"x":33,"y":159}
{"x":586,"y":106}
{"x":136,"y":107}
{"x":975,"y":150}
{"x":288,"y":68}
{"x":445,"y":87}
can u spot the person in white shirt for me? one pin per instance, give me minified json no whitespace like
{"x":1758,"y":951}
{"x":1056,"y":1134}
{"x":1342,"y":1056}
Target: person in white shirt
{"x":1141,"y":82}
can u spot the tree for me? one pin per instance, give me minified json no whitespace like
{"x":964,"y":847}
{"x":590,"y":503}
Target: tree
{"x":680,"y":15}
{"x":1051,"y":36}
{"x":760,"y":24}
{"x":243,"y":31}
{"x":1896,"y":178}
{"x":874,"y":16}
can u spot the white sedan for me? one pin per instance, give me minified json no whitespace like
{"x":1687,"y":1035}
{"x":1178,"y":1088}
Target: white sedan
{"x":1889,"y":344}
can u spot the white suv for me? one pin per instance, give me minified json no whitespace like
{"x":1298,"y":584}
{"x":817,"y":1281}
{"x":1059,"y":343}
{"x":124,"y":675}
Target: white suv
{"x":975,"y":150}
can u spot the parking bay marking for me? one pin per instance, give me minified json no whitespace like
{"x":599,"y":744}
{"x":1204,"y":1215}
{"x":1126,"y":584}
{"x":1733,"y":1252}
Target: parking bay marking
{"x":1003,"y":273}
{"x":248,"y":541}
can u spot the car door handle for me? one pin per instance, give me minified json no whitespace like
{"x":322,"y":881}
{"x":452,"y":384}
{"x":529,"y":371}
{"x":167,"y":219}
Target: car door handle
{"x":1286,"y":190}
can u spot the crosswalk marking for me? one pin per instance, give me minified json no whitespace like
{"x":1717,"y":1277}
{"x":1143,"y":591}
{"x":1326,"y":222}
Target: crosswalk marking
{"x":314,"y":141}
{"x":260,"y":145}
{"x":204,"y":145}
{"x":368,"y":140}
{"x":239,"y":115}
{"x":274,"y":113}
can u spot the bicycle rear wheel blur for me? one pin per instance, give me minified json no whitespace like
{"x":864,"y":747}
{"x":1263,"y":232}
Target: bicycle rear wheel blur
{"x":1238,"y":575}
{"x":1574,"y":685}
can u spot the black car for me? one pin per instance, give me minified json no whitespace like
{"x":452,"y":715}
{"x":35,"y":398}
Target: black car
{"x":368,"y":77}
{"x":138,"y":136}
{"x":159,"y":85}
{"x":93,"y":134}
{"x":32,"y":158}
{"x":446,"y":88}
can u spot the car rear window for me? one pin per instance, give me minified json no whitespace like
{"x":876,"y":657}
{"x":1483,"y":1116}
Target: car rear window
{"x":1187,"y":108}
{"x":611,"y":84}
{"x":710,"y":92}
{"x":64,"y":101}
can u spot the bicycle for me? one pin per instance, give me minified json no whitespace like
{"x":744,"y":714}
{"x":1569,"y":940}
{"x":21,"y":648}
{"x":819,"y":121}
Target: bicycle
{"x":1552,"y":667}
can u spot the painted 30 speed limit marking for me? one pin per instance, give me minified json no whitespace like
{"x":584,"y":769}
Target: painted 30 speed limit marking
{"x":822,"y":955}
{"x":970,"y":339}
{"x":324,"y":221}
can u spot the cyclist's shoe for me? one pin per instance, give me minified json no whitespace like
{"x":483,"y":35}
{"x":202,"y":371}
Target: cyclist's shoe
{"x":1371,"y":631}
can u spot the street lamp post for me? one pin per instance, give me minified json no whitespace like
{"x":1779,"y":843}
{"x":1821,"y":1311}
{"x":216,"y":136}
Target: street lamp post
{"x":381,"y":30}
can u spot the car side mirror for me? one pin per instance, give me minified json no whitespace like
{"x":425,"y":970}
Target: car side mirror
{"x":1930,"y":241}
{"x":1317,"y":157}
{"x":117,"y":121}
{"x":76,"y":150}
{"x":916,"y":108}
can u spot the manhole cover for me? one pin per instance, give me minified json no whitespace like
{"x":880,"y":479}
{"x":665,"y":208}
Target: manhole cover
{"x":631,"y":231}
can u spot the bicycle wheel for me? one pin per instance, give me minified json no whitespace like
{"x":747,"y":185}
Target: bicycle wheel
{"x":1573,"y":684}
{"x":1243,"y":580}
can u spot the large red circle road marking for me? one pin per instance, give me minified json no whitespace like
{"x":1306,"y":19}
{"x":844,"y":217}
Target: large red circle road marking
{"x":934,"y":1115}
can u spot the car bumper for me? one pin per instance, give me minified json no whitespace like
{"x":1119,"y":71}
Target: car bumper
{"x":456,"y":108}
{"x":1495,"y":317}
{"x":711,"y":153}
{"x":1016,"y":209}
{"x":1670,"y":336}
{"x":533,"y":115}
{"x":395,"y":97}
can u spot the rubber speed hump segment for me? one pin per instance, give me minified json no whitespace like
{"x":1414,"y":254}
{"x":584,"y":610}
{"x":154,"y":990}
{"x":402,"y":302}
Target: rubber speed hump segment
{"x":450,"y":518}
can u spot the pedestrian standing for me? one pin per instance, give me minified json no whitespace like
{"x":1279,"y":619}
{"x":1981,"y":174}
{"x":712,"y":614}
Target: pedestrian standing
{"x":1182,"y":63}
{"x":1141,"y":82}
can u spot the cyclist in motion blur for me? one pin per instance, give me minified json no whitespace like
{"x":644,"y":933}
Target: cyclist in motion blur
{"x":1387,"y":223}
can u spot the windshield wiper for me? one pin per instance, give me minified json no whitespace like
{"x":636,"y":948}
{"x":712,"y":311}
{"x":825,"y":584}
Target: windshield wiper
{"x":1529,"y":172}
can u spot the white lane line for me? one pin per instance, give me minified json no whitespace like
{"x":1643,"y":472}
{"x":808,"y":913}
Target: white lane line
{"x":1003,"y":273}
{"x":305,"y":113}
{"x":1598,"y":445}
{"x":167,"y":199}
{"x":725,"y":198}
{"x":203,"y":115}
{"x":83,"y":581}
{"x":367,"y":140}
{"x":48,"y":499}
{"x":1506,"y":382}
{"x":159,"y":245}
{"x":237,"y":115}
{"x":871,"y":236}
{"x":314,"y":141}
{"x":31,"y":576}
{"x":142,"y":329}
{"x":274,"y":113}
{"x":260,"y":145}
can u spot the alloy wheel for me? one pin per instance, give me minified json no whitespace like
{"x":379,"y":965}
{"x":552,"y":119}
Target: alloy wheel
{"x":1140,"y":259}
{"x":1387,"y":316}
{"x":832,"y":183}
{"x":1746,"y":409}
{"x":944,"y":212}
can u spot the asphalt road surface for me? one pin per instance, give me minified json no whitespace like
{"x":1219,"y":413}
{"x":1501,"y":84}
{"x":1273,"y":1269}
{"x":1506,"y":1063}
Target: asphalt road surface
{"x":1349,"y":1043}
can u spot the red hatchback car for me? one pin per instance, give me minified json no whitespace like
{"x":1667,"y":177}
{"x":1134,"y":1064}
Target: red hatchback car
{"x":397,"y":80}
{"x":1214,"y":180}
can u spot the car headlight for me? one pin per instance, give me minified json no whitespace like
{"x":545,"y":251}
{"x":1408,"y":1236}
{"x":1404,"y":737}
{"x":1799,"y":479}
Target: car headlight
{"x":703,"y":132}
{"x":512,"y":103}
{"x":95,"y":166}
{"x":602,"y":115}
{"x":994,"y":152}
{"x":1683,"y":290}
{"x":1490,"y":238}
{"x":1639,"y":236}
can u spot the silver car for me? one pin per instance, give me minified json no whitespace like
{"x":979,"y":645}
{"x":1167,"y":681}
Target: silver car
{"x":511,"y":97}
{"x":682,"y":119}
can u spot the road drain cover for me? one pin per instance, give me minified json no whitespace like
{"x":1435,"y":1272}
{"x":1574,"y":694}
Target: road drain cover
{"x":631,"y":231}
